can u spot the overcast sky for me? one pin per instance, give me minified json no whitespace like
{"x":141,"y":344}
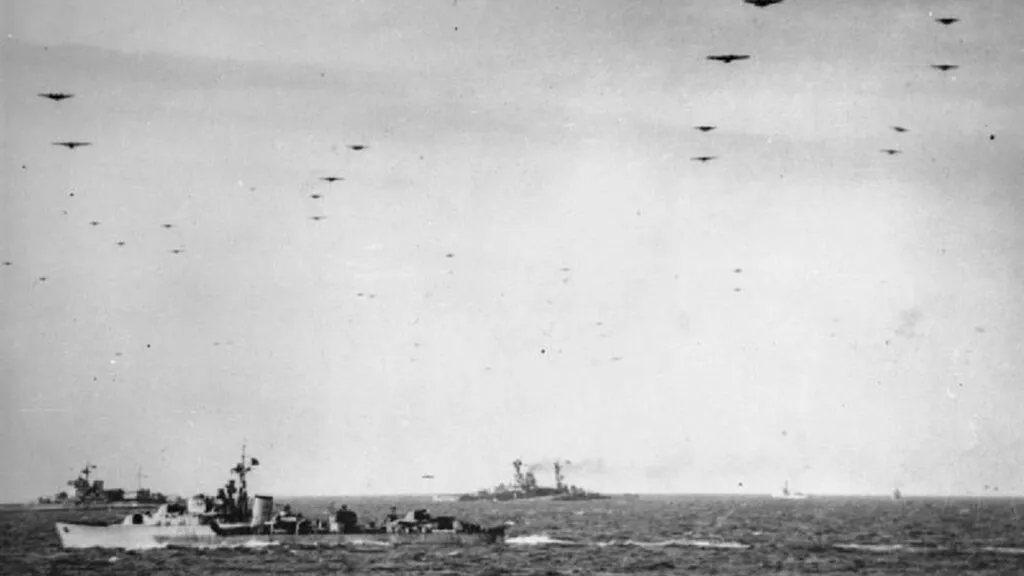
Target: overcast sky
{"x":524,"y":261}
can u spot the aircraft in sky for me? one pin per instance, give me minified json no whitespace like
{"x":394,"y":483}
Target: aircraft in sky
{"x":56,"y":96}
{"x":72,"y":145}
{"x":727,"y":58}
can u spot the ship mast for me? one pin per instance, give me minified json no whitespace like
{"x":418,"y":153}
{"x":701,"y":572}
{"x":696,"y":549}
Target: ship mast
{"x":87,"y":470}
{"x":241,"y":469}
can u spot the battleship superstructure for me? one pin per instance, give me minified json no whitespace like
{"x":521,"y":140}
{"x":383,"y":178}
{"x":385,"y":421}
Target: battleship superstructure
{"x":91,"y":493}
{"x":524,"y":486}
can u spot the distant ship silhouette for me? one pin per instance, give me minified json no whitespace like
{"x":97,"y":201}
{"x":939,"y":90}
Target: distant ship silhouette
{"x":787,"y":495}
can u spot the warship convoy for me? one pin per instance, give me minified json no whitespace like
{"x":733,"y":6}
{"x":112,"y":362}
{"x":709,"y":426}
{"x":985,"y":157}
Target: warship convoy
{"x":232,"y":518}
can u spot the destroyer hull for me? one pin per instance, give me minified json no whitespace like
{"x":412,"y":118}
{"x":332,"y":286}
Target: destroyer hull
{"x":137,"y":537}
{"x":328,"y":540}
{"x":88,"y":507}
{"x":125,"y":536}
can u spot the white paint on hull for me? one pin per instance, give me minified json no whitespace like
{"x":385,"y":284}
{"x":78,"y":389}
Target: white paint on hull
{"x":126,"y":536}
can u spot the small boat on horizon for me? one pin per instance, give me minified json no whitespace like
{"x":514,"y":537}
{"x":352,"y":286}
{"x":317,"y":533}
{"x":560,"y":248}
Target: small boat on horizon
{"x":787,"y":495}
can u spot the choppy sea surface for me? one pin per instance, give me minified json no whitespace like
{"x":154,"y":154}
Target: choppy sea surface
{"x":722,"y":535}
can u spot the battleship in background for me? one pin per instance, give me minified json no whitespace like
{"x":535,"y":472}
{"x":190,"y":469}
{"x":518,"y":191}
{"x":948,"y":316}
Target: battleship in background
{"x":524,"y":487}
{"x":94,"y":495}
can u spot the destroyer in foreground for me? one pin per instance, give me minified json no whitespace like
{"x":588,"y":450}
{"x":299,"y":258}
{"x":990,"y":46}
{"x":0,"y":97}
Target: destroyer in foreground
{"x":232,"y":519}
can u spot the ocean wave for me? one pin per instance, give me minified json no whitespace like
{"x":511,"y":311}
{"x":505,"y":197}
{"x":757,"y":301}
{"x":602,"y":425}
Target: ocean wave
{"x":1004,"y":550}
{"x":152,"y":546}
{"x":248,"y":544}
{"x":925,"y":549}
{"x":538,"y":540}
{"x":886,"y":548}
{"x":871,"y":547}
{"x":355,"y":540}
{"x":688,"y":543}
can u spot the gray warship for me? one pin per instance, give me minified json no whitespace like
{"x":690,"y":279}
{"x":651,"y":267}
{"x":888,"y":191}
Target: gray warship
{"x":524,"y":486}
{"x":89,"y":493}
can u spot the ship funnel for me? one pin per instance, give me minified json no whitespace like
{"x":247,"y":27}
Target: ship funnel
{"x":262,"y":508}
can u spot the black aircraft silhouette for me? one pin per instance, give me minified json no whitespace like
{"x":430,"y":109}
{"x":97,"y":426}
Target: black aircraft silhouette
{"x":120,"y":243}
{"x":317,"y":218}
{"x":890,"y":151}
{"x":727,"y":58}
{"x":94,"y":223}
{"x":8,"y":263}
{"x":315,"y":196}
{"x":56,"y":96}
{"x":703,"y":158}
{"x":763,"y":3}
{"x":357,"y":147}
{"x":704,"y":128}
{"x":947,"y":21}
{"x":945,"y":67}
{"x":178,"y":251}
{"x":168,"y":226}
{"x":72,"y":145}
{"x":900,"y":129}
{"x":330,"y":179}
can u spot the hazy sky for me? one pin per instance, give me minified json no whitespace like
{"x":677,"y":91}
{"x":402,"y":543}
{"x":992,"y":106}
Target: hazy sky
{"x":524,"y":262}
